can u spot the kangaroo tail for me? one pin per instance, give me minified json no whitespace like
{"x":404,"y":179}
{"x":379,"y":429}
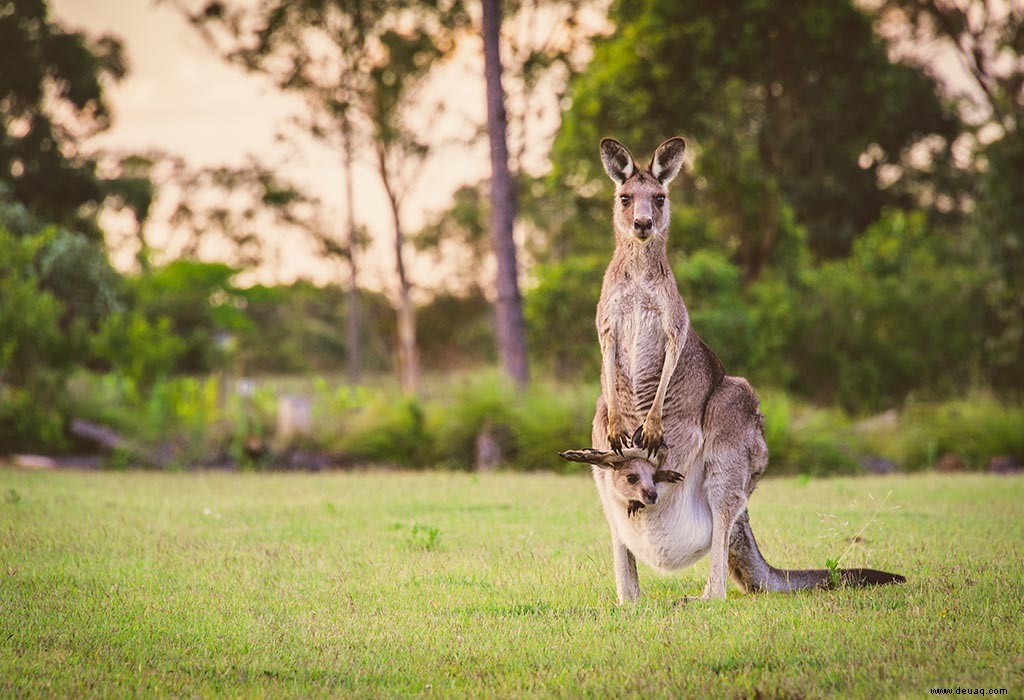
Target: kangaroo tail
{"x":749,"y":569}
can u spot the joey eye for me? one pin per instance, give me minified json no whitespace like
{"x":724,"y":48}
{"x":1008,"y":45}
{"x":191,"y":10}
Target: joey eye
{"x":625,"y":199}
{"x":659,"y":200}
{"x":632,"y":478}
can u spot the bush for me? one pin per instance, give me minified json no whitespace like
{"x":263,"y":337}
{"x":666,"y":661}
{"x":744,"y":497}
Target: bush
{"x":200,"y":301}
{"x":894,"y":318}
{"x":468,"y":337}
{"x":551,"y":418}
{"x":713,"y":291}
{"x":137,"y":349}
{"x":559,"y":312}
{"x":390,"y":431}
{"x":975,"y":429}
{"x":803,"y":440}
{"x":475,"y":402}
{"x":38,"y":343}
{"x":190,"y":419}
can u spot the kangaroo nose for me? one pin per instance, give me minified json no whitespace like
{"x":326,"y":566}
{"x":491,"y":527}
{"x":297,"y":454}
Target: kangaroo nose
{"x":643,"y":224}
{"x":650,"y":495}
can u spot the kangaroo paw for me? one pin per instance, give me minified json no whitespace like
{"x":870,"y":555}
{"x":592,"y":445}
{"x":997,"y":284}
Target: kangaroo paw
{"x":652,"y":440}
{"x":618,"y":439}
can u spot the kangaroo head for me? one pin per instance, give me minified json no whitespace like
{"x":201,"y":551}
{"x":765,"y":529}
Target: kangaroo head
{"x":641,"y":196}
{"x":634,"y":475}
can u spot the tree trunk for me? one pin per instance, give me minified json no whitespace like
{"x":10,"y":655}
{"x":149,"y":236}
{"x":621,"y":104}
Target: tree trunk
{"x":408,"y":357}
{"x":509,"y":311}
{"x":353,"y":341}
{"x":760,"y":250}
{"x":143,"y":256}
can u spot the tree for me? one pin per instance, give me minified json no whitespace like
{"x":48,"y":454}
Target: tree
{"x":319,"y":51}
{"x":36,"y":350}
{"x":509,"y":308}
{"x":540,"y":44}
{"x":988,"y":39}
{"x":360,"y":66}
{"x":786,"y":104}
{"x":51,"y":97}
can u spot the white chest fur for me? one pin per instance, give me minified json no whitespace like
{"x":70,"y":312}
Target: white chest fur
{"x":673,"y":533}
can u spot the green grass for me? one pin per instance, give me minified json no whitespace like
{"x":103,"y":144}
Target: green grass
{"x":442,"y":584}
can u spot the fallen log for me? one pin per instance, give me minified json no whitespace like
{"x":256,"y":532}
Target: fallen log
{"x":110,"y":439}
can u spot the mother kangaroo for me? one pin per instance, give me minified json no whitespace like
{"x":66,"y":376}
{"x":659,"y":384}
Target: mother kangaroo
{"x":674,"y":489}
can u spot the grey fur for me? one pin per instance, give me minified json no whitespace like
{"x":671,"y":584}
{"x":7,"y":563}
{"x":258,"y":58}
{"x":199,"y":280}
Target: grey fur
{"x":660,"y":378}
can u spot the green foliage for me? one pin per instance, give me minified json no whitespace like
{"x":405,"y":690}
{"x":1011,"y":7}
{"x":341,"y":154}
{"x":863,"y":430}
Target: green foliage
{"x":898,"y":316}
{"x":999,"y":222}
{"x":77,"y":271}
{"x":424,"y":537}
{"x":186,"y":420}
{"x":300,"y":328}
{"x":36,"y":350}
{"x":472,"y":404}
{"x":832,"y":565}
{"x":456,"y":331}
{"x":780,"y":102}
{"x":138,"y":350}
{"x":975,"y":429}
{"x":548,"y":418}
{"x":30,"y":318}
{"x":802,"y":440}
{"x":388,"y":430}
{"x":559,"y":312}
{"x":52,"y":90}
{"x":56,"y":287}
{"x":713,"y":289}
{"x":200,"y":302}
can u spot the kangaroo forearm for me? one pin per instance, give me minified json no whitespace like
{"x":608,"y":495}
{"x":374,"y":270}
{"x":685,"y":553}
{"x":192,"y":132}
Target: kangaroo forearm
{"x":608,"y":370}
{"x":673,"y":350}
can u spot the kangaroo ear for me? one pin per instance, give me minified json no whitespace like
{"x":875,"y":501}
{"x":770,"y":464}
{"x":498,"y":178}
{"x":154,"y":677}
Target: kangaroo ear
{"x":668,"y":159}
{"x":618,"y":162}
{"x":667,"y":475}
{"x":598,"y":458}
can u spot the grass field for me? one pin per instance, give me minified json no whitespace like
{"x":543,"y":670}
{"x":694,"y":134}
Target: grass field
{"x":382,"y":584}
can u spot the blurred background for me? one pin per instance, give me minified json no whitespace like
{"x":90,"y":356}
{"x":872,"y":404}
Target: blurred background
{"x":313,"y":233}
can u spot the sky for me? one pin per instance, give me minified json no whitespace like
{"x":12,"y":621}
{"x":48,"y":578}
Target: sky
{"x":180,"y":98}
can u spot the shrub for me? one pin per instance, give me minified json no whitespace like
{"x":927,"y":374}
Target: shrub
{"x":976,"y":429}
{"x":896,"y":317}
{"x":559,"y":313}
{"x":38,"y":343}
{"x":478,"y":401}
{"x":805,"y":440}
{"x":388,"y":430}
{"x":712,"y":289}
{"x":550,"y":418}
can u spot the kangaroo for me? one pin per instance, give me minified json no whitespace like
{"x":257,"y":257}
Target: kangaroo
{"x":676,"y":488}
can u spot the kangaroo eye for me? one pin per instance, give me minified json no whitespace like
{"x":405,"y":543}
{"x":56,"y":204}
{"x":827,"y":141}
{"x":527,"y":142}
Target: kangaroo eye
{"x":632,"y":478}
{"x":659,"y":199}
{"x":625,"y":199}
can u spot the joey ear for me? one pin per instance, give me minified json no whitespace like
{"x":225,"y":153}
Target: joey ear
{"x":668,"y":160}
{"x":617,"y":160}
{"x":667,"y":475}
{"x":598,"y":458}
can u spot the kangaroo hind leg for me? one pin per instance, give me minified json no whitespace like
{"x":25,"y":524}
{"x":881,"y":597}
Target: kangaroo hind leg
{"x":725,"y":484}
